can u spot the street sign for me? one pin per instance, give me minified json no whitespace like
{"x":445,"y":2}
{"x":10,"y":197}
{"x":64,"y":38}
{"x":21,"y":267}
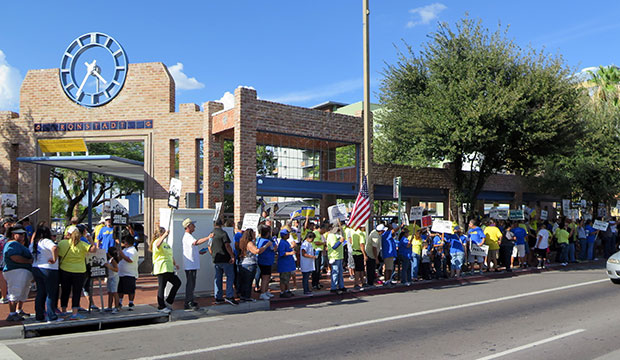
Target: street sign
{"x":396,"y":187}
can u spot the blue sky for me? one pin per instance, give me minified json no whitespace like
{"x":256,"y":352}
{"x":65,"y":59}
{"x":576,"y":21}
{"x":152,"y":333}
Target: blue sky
{"x":296,"y":52}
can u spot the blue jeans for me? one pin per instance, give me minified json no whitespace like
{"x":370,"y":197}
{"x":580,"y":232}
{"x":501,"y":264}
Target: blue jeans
{"x":220,"y":270}
{"x":246,"y":276}
{"x":590,"y":250}
{"x":571,"y":252}
{"x":305,"y":281}
{"x":583,"y":244}
{"x":47,"y":293}
{"x":415,"y":265}
{"x":563,"y":253}
{"x":337,"y":278}
{"x":405,"y":269}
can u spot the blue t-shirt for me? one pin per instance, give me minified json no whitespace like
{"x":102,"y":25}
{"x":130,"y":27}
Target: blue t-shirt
{"x":456,"y":243}
{"x":286,"y":263}
{"x":268,"y":256}
{"x":106,"y":238}
{"x":520,"y":234}
{"x":591,"y":236}
{"x":476,"y":235}
{"x":15,"y":248}
{"x":235,"y":241}
{"x":29,"y":231}
{"x":437,"y":245}
{"x":388,"y":245}
{"x":404,"y":250}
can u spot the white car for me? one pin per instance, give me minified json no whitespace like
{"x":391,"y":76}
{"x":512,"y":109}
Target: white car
{"x":613,"y":268}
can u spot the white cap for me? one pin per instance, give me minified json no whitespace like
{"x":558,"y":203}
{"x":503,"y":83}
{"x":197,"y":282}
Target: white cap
{"x":380,"y":227}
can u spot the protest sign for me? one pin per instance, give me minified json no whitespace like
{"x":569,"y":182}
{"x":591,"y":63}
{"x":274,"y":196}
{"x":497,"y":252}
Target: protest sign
{"x":565,"y":206}
{"x":250,"y":221}
{"x":574,"y":214}
{"x":600,"y":225}
{"x":337,"y":212}
{"x":174,"y":194}
{"x":416,"y":213}
{"x":493,"y":213}
{"x":602,"y":210}
{"x":516,"y":215}
{"x":618,"y":205}
{"x":584,"y":204}
{"x":119,"y":211}
{"x":587,"y":216}
{"x":502,"y":214}
{"x":218,"y":211}
{"x":478,"y":250}
{"x":427,"y":221}
{"x":404,"y":218}
{"x":9,"y":205}
{"x":543,"y":214}
{"x":97,"y":263}
{"x":442,"y":226}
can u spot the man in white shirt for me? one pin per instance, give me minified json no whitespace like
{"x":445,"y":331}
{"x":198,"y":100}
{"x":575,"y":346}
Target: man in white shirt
{"x":542,"y":243}
{"x":373,"y":246}
{"x":127,"y":270}
{"x":191,"y":261}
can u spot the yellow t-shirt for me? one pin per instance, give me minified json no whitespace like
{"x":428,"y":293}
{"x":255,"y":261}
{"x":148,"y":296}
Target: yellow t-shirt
{"x":492,"y":235}
{"x":562,"y":236}
{"x":163,"y":262}
{"x":73,"y":258}
{"x":334,"y":254}
{"x":356,"y":241}
{"x":317,"y":238}
{"x":416,"y":244}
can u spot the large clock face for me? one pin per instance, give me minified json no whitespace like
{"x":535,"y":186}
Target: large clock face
{"x":93,"y":69}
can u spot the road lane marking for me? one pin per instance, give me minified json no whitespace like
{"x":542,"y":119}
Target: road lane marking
{"x":534,"y":344}
{"x":8,"y":354}
{"x":365,"y":323}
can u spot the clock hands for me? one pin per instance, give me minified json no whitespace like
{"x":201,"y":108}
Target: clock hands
{"x":91,"y":69}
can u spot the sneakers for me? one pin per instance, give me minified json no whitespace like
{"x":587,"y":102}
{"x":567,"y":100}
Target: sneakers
{"x":4,"y":300}
{"x":270,"y":294}
{"x":564,"y":264}
{"x":286,"y":295}
{"x":357,"y":287}
{"x":131,"y":306}
{"x":94,"y":308}
{"x":165,"y":310}
{"x":352,"y":278}
{"x":23,"y":314}
{"x":309,"y":293}
{"x":114,"y":311}
{"x":231,"y":301}
{"x":77,"y":317}
{"x":14,"y":317}
{"x":107,"y":310}
{"x":220,"y":301}
{"x":264,"y":296}
{"x":168,"y":305}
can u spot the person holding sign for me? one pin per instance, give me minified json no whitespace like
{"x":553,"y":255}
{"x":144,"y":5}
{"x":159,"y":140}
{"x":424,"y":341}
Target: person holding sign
{"x":105,"y":238}
{"x":72,"y":254}
{"x":405,"y":256}
{"x":591,"y":234}
{"x":164,"y":268}
{"x":457,"y":251}
{"x":335,"y":253}
{"x":191,"y":261}
{"x":476,"y":237}
{"x":127,"y":271}
{"x":224,"y":263}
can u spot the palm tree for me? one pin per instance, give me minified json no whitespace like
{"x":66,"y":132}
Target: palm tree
{"x":606,"y":84}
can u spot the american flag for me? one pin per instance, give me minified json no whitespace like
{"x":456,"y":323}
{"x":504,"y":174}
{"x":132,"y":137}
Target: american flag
{"x":361,"y":209}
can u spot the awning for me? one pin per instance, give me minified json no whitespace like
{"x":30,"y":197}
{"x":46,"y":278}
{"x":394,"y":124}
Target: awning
{"x":100,"y":164}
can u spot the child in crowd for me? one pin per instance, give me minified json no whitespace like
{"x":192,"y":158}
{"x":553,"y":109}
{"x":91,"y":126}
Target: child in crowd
{"x":425,"y":269}
{"x":127,"y":271}
{"x":306,"y":261}
{"x":286,"y":263}
{"x":112,"y":266}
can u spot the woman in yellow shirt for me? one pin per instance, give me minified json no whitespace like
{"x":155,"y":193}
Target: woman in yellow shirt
{"x":416,"y":249}
{"x":72,"y":253}
{"x":164,"y":267}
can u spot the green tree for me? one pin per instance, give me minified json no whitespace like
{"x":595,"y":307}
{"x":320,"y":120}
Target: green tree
{"x":475,"y":97}
{"x":266,"y":161}
{"x":74,"y":184}
{"x":606,"y":83}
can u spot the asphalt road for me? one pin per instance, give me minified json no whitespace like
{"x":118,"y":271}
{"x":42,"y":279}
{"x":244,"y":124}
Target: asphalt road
{"x":552,"y":315}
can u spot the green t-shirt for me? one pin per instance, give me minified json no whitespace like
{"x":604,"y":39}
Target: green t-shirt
{"x":163,"y":262}
{"x":338,"y":253}
{"x":356,"y":239}
{"x":73,"y":258}
{"x":562,"y":236}
{"x":317,"y":238}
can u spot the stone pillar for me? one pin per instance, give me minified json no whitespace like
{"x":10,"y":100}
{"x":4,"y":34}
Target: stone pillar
{"x":326,"y":201}
{"x":245,"y":152}
{"x":187,"y":167}
{"x":213,"y":168}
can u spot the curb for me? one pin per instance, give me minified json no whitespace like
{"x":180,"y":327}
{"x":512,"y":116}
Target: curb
{"x":300,"y":301}
{"x":12,"y":332}
{"x":224,"y":309}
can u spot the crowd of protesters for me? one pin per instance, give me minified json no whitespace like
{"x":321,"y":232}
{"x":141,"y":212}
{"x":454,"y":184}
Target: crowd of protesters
{"x":387,"y":254}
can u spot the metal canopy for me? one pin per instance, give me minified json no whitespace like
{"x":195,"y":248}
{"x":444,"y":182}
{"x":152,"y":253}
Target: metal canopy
{"x":100,"y":164}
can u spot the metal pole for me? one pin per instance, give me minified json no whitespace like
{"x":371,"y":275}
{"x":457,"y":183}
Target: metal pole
{"x":367,"y":124}
{"x":90,"y":201}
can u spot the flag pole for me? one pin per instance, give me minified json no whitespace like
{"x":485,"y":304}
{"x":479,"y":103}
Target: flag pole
{"x":366,"y":113}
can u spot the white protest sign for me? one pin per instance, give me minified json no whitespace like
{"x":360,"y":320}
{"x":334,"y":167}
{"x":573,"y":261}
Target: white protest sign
{"x":502,"y":214}
{"x":574,"y":214}
{"x":602,"y":210}
{"x":250,"y":221}
{"x":442,"y":226}
{"x":174,"y":194}
{"x":493,"y":213}
{"x":405,"y":218}
{"x":97,"y":263}
{"x":9,"y":204}
{"x":584,"y":204}
{"x":565,"y":206}
{"x":218,"y":210}
{"x":416,"y":213}
{"x":544,"y":214}
{"x":119,"y":211}
{"x":337,"y":212}
{"x":600,"y":225}
{"x":618,"y":205}
{"x":587,"y":216}
{"x":478,"y":250}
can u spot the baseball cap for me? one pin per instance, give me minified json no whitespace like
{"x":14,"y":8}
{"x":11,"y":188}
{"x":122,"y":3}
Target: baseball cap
{"x":17,"y":229}
{"x":107,"y":218}
{"x":284,"y":232}
{"x":71,"y":229}
{"x":380,"y":227}
{"x":187,"y":222}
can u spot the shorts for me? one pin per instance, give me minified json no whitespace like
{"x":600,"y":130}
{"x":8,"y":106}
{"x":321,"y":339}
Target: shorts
{"x":285,"y":277}
{"x":18,"y":284}
{"x":113,"y":284}
{"x":359,"y":262}
{"x":521,"y":250}
{"x":350,"y":259}
{"x":389,"y":263}
{"x":476,"y":258}
{"x":492,"y":256}
{"x":541,"y":253}
{"x":457,"y":260}
{"x":265,"y":270}
{"x":127,"y":285}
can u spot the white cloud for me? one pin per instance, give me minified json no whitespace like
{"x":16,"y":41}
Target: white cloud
{"x":425,"y":14}
{"x":228,"y":99}
{"x":320,"y":93}
{"x":182,"y":81}
{"x":10,"y":81}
